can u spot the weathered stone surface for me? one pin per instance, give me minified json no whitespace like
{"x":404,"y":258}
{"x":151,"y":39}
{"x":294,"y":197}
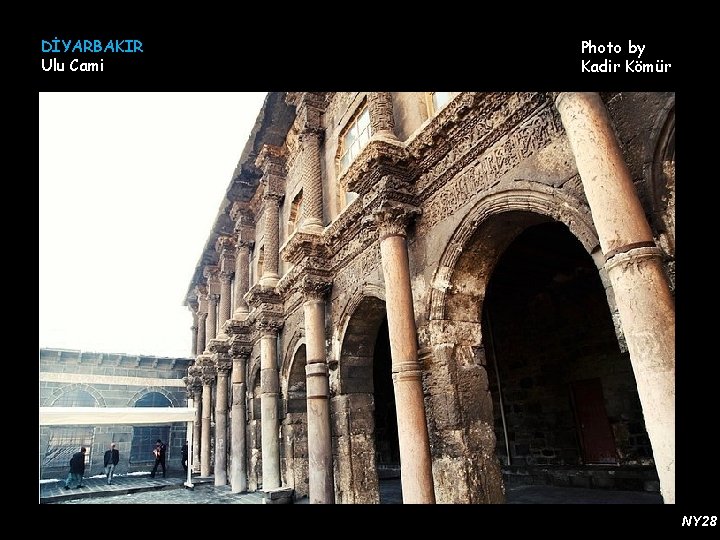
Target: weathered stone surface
{"x":440,"y":200}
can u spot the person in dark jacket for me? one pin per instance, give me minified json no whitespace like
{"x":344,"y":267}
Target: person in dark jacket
{"x":112,"y":458}
{"x":185,"y":456}
{"x":159,"y":452}
{"x":77,"y":469}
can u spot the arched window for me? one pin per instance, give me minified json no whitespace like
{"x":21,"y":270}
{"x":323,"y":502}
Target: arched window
{"x":295,"y":213}
{"x":65,"y":441}
{"x":144,"y":437}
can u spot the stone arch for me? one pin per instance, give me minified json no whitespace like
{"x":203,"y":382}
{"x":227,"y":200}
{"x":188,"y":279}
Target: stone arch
{"x":296,"y":341}
{"x":660,"y":179}
{"x":58,"y":392}
{"x":294,"y":446}
{"x":527,"y":198}
{"x":254,"y":426}
{"x":150,"y":390}
{"x":352,"y":402}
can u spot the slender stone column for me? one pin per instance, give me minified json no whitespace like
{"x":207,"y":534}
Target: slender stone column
{"x":318,"y":394}
{"x":270,"y":274}
{"x":197,"y":427}
{"x":312,"y":205}
{"x":242,"y":278}
{"x":223,"y":365}
{"x":208,"y":378}
{"x":202,"y":324}
{"x":633,"y":264}
{"x":194,"y":331}
{"x":271,"y":161}
{"x":381,"y":114}
{"x":416,"y":464}
{"x":211,"y":321}
{"x":224,"y":311}
{"x":194,"y":386}
{"x":269,"y":389}
{"x":238,"y":467}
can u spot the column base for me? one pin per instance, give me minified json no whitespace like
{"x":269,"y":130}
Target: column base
{"x":269,"y":281}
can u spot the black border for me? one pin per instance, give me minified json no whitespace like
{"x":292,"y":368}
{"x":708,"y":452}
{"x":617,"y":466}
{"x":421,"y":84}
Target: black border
{"x":457,"y":52}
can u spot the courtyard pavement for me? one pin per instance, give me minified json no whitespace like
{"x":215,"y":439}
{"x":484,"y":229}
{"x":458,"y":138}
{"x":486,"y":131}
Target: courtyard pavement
{"x":141,"y":489}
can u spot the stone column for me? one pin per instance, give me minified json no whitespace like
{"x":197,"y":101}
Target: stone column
{"x":415,"y":461}
{"x":194,"y":331}
{"x":194,"y":385}
{"x":208,"y":378}
{"x":202,"y":324}
{"x":270,"y":274}
{"x":381,"y":114}
{"x":633,"y":264}
{"x":238,"y":467}
{"x":272,"y":163}
{"x":211,"y":321}
{"x":318,"y":394}
{"x":224,"y":312}
{"x":222,"y":365}
{"x":269,"y":390}
{"x":242,"y":278}
{"x":312,"y":204}
{"x":225,"y":247}
{"x":197,"y":427}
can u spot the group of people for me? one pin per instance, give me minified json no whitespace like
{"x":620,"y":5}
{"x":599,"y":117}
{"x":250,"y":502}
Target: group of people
{"x":112,"y":458}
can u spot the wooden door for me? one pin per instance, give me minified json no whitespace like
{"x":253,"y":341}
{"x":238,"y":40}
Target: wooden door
{"x":596,"y":436}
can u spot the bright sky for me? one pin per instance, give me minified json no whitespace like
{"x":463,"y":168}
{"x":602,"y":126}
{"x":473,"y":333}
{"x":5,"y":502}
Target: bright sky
{"x":130,"y":184}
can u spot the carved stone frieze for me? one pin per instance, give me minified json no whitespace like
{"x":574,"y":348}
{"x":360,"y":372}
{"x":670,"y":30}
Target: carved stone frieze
{"x":483,"y":173}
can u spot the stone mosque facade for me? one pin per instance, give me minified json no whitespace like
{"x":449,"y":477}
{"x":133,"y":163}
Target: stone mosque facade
{"x":459,"y":289}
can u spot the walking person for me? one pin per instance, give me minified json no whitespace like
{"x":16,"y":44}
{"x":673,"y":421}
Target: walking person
{"x":112,"y":458}
{"x":159,"y":452}
{"x":77,"y":469}
{"x":185,"y":456}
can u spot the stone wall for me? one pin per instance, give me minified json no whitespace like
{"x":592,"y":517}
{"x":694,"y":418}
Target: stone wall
{"x":113,"y":380}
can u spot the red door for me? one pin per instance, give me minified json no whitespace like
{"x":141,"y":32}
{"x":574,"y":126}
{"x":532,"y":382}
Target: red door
{"x":596,"y":437}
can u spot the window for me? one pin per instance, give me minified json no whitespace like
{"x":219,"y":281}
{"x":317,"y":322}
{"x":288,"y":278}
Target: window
{"x":260,"y":263}
{"x":75,"y":398}
{"x":437,"y":100}
{"x":144,"y":437}
{"x":354,"y":138}
{"x":295,"y":213}
{"x":64,"y":442}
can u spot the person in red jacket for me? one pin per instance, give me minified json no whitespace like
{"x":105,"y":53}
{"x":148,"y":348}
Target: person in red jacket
{"x":159,"y":452}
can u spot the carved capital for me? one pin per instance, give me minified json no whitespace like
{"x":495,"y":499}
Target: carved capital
{"x":268,"y":325}
{"x":392,"y":219}
{"x":224,"y":243}
{"x":315,"y":287}
{"x":245,"y":236}
{"x":311,"y":135}
{"x":309,"y":107}
{"x":241,"y":351}
{"x":241,"y":213}
{"x":223,"y":363}
{"x":213,"y":298}
{"x":218,"y":345}
{"x":210,"y":272}
{"x":271,"y":160}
